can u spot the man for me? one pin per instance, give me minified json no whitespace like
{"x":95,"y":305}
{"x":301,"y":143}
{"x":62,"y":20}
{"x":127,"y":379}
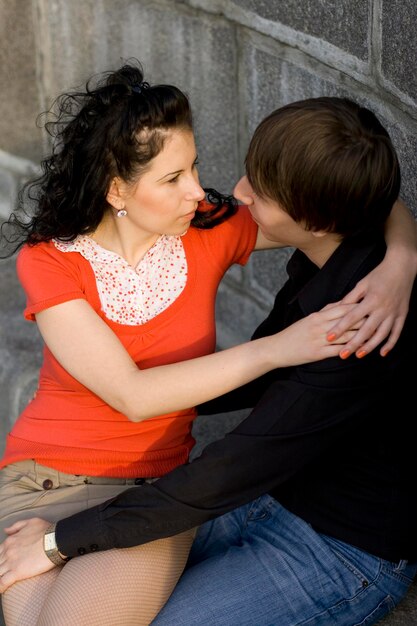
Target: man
{"x":311,"y":496}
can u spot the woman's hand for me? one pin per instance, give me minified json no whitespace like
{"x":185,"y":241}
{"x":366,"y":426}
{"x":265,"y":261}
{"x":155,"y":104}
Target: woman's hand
{"x":22,"y":554}
{"x":383,"y":296}
{"x":382,"y":300}
{"x":306,"y":341}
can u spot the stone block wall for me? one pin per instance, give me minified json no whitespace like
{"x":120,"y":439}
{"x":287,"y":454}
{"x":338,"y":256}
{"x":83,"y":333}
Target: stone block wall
{"x":237,"y":60}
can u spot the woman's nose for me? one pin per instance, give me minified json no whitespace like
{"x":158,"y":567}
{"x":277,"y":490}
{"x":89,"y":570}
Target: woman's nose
{"x":195,"y":192}
{"x":198,"y":192}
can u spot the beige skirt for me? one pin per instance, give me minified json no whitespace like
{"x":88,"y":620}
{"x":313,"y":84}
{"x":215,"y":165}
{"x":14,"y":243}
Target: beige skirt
{"x":28,"y":489}
{"x":130,"y":585}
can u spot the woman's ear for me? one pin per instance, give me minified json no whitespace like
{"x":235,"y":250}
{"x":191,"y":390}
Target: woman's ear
{"x":114,"y":195}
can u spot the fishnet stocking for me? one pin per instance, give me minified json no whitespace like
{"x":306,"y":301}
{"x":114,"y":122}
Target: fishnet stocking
{"x":113,"y":588}
{"x":23,"y":602}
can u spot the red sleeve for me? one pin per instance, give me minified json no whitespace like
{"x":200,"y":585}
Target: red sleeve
{"x":48,"y":277}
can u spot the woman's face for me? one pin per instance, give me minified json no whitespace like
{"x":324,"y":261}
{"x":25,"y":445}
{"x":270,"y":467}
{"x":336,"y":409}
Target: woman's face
{"x":166,"y":196}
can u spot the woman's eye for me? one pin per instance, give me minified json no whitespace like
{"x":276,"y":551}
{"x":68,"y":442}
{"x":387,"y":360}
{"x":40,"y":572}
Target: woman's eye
{"x":196,"y":162}
{"x":174,"y":180}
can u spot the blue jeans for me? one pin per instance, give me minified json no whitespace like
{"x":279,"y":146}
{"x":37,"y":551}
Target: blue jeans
{"x":260,"y":565}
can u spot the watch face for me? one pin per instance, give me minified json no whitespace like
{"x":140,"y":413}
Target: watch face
{"x":49,"y":541}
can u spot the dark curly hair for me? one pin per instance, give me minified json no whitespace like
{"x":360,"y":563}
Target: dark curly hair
{"x":96,"y":136}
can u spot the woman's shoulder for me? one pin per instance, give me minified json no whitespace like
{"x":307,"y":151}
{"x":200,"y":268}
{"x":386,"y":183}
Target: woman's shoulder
{"x":240,"y":219}
{"x":49,"y":276}
{"x":31,"y":250}
{"x":31,"y":253}
{"x":43,"y":255}
{"x":233,"y":240}
{"x":54,"y":249}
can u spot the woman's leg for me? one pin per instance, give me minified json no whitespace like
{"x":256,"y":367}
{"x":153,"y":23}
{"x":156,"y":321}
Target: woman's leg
{"x":114,"y":587}
{"x":23,"y":601}
{"x":117,"y":587}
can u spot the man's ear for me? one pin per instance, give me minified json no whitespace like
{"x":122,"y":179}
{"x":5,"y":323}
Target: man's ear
{"x":319,"y":233}
{"x":115,"y":196}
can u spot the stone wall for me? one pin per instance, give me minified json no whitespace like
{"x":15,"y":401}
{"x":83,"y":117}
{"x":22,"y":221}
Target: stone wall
{"x":237,"y":60}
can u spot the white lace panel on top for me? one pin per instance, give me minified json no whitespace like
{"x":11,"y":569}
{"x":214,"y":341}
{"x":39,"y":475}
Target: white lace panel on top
{"x":134,"y":295}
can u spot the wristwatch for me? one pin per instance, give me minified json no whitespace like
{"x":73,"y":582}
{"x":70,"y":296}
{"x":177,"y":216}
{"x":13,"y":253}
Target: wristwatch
{"x":50,"y":547}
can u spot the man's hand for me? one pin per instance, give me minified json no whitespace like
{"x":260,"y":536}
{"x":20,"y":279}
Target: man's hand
{"x":22,"y":554}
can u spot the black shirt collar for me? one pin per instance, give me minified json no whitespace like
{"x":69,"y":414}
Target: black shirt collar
{"x":318,"y":286}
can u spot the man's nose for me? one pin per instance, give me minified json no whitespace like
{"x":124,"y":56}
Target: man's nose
{"x":243,"y":191}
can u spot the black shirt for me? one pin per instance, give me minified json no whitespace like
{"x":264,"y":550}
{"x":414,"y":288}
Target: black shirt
{"x":333,"y":441}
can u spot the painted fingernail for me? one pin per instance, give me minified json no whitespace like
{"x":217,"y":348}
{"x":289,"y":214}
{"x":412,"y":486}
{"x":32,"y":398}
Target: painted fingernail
{"x":331,"y":337}
{"x":361,"y":353}
{"x":384,"y":352}
{"x":344,"y":354}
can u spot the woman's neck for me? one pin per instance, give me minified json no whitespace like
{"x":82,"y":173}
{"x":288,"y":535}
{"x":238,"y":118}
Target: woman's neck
{"x":120,"y":236}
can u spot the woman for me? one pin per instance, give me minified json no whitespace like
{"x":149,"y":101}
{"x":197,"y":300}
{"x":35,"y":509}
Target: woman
{"x":121,"y":266}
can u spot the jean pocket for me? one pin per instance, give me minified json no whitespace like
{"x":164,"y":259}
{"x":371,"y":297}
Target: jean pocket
{"x":364,"y":567}
{"x":260,"y":509}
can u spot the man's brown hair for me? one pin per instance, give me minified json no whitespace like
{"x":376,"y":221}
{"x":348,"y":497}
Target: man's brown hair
{"x":328,"y":162}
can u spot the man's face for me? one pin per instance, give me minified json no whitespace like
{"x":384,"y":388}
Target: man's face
{"x":273,"y":221}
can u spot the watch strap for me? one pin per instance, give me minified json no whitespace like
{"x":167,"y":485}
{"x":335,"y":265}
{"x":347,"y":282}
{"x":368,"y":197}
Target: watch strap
{"x":51,"y":548}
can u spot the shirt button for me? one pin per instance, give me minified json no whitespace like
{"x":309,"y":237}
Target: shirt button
{"x":139,"y":481}
{"x":81,"y":551}
{"x":94,"y":547}
{"x":47,"y":484}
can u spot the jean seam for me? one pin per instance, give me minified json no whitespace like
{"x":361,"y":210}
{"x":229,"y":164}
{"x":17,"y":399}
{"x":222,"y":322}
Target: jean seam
{"x":401,"y":576}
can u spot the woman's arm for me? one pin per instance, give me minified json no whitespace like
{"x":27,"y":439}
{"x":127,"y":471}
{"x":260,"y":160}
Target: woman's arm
{"x":383,"y":296}
{"x":89,"y":350}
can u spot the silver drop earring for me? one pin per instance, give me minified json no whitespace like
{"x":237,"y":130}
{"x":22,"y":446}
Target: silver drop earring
{"x":121,"y":213}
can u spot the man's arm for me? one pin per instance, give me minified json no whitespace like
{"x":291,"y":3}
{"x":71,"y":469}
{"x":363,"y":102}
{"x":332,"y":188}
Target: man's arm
{"x":292,"y":424}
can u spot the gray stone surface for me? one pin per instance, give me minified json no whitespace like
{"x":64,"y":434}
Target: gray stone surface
{"x":20,"y":350}
{"x":405,"y":141}
{"x":20,"y":99}
{"x":7,"y":192}
{"x":268,"y":273}
{"x":237,"y":314}
{"x":273,"y":81}
{"x":399,"y":45}
{"x":173,"y":43}
{"x":13,"y":171}
{"x":343,"y":23}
